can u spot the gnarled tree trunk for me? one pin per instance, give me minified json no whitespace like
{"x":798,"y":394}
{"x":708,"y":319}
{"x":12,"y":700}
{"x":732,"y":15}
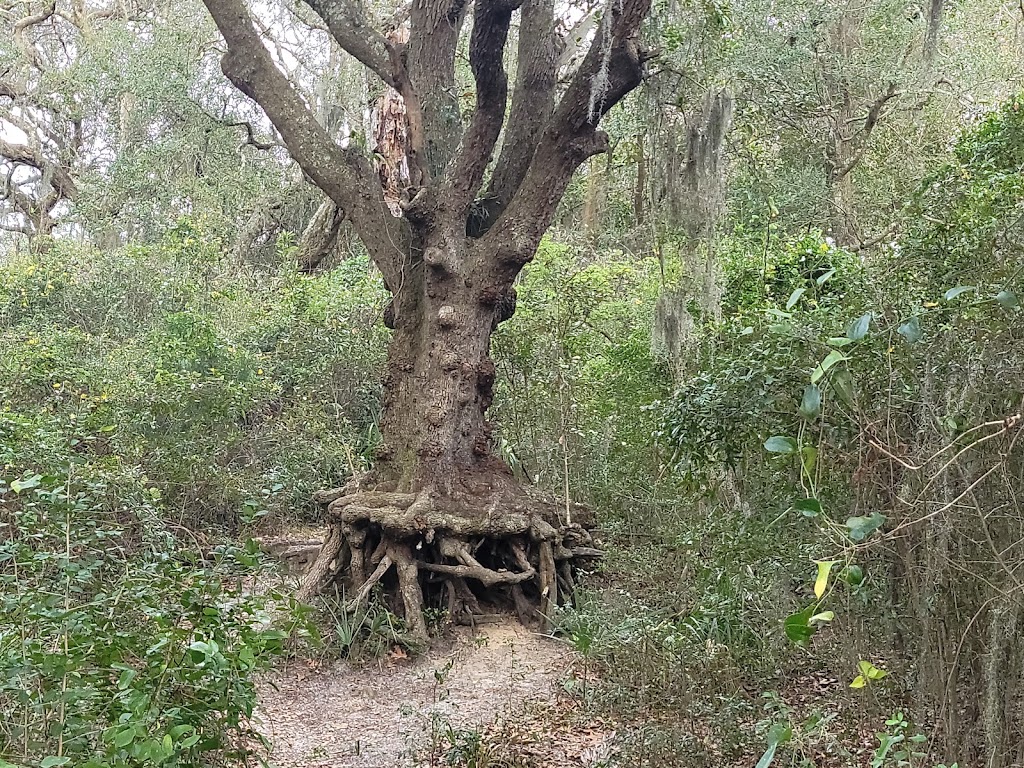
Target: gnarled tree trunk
{"x":439,"y":507}
{"x":440,"y":520}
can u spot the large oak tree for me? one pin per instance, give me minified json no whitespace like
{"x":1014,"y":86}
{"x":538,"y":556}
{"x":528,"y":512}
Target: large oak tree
{"x":440,"y":518}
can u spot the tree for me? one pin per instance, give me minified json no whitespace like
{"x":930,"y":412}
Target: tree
{"x":114,"y":125}
{"x":439,"y":506}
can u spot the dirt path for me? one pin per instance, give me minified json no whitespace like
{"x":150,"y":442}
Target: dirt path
{"x":390,"y":713}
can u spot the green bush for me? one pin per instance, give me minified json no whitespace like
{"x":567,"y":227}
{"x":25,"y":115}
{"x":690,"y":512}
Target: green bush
{"x":236,"y":395}
{"x":120,"y":646}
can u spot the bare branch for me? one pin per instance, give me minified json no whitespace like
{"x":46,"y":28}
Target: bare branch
{"x":870,"y":121}
{"x":320,"y":236}
{"x":357,"y":36}
{"x":250,"y":136}
{"x":428,"y":85}
{"x":571,"y":136}
{"x":23,"y":25}
{"x":20,"y":229}
{"x":491,"y":19}
{"x":936,"y":8}
{"x":59,"y":177}
{"x":346,"y":176}
{"x":533,"y":100}
{"x":9,"y":90}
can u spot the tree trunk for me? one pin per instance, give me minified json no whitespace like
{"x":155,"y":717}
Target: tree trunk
{"x":439,"y":505}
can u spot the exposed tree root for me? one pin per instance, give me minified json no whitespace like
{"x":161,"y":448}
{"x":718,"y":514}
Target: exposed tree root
{"x":505,"y":548}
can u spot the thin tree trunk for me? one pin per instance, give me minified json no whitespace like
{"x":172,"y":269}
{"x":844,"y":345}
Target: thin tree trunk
{"x":592,"y":200}
{"x":936,"y":9}
{"x":640,"y":192}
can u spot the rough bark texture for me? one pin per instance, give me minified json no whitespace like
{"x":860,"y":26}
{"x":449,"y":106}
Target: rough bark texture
{"x":440,"y":520}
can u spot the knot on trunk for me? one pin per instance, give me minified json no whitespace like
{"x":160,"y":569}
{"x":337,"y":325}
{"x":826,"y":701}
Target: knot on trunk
{"x":435,"y":415}
{"x":446,"y":316}
{"x":506,"y":305}
{"x":485,"y":373}
{"x":438,"y":258}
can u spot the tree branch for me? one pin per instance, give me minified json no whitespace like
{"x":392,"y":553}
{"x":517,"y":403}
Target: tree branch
{"x":870,"y":121}
{"x":26,"y":23}
{"x":250,"y":135}
{"x":344,"y":175}
{"x":931,"y":38}
{"x":429,"y":85}
{"x":491,"y":19}
{"x":19,"y":229}
{"x":533,"y":100}
{"x":615,"y":60}
{"x":9,"y":90}
{"x":357,"y":36}
{"x":59,"y":177}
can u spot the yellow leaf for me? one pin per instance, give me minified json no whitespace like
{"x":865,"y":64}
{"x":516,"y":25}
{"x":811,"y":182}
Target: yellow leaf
{"x":859,"y":682}
{"x":821,"y":583}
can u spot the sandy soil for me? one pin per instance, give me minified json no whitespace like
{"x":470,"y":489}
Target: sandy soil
{"x":393,"y":712}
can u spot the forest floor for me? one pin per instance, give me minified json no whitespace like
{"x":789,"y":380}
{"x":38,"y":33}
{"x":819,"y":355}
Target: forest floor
{"x":501,"y":695}
{"x":476,"y":692}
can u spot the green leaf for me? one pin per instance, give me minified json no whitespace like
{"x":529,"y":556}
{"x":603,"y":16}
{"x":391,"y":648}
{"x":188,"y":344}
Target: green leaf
{"x":124,"y":738}
{"x":810,"y":404}
{"x":794,"y":298}
{"x":768,"y":756}
{"x":126,"y":679}
{"x":870,"y":671}
{"x":247,"y":657}
{"x":1007,"y":300}
{"x":798,"y":627}
{"x":808,"y":458}
{"x":911,"y":330}
{"x":833,"y":357}
{"x":821,"y":582}
{"x":23,"y":485}
{"x":864,"y":526}
{"x":952,"y":293}
{"x":842,"y":385}
{"x":808,"y":507}
{"x":780,"y":733}
{"x":823,"y":618}
{"x":839,"y":341}
{"x":52,"y":761}
{"x":858,"y":329}
{"x":780,"y":444}
{"x":824,"y":278}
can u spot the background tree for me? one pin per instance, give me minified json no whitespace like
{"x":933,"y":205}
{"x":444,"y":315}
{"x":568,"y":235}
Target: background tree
{"x":114,"y":124}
